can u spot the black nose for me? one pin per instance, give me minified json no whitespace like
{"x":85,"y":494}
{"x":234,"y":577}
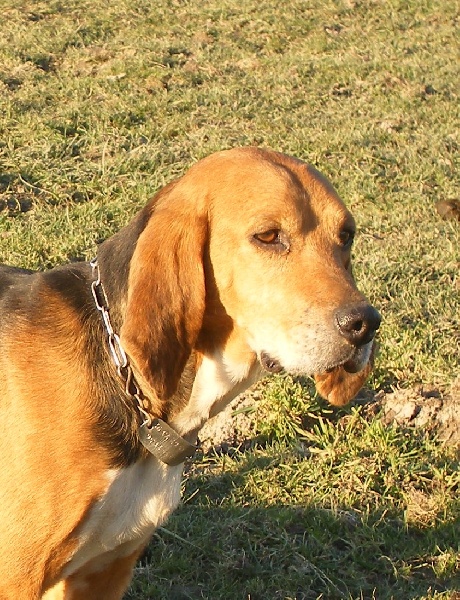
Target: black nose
{"x":358,"y":323}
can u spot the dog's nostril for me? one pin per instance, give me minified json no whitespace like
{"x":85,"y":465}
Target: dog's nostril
{"x":358,"y":326}
{"x":358,"y":323}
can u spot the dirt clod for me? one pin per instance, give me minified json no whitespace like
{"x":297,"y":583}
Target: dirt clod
{"x":425,"y":407}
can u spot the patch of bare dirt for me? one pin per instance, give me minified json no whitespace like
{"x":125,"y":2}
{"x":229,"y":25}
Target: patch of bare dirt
{"x":234,"y":426}
{"x":426,"y":407}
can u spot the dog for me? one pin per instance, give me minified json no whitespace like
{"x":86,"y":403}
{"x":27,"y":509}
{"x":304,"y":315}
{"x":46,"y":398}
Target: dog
{"x":109,"y":369}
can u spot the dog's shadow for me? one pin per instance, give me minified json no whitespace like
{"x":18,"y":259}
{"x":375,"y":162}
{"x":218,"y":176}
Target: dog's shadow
{"x":217,"y":546}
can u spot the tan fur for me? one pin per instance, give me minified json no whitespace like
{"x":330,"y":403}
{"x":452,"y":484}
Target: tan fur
{"x":108,"y":582}
{"x":200,"y":302}
{"x":43,"y":496}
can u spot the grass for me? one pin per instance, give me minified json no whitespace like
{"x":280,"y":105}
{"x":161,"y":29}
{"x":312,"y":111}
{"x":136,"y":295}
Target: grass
{"x":102,"y":103}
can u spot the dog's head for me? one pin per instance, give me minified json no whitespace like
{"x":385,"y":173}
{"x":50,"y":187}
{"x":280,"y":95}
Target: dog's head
{"x":249,"y":254}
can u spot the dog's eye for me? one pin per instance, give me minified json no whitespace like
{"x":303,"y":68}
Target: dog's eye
{"x":346,"y":238}
{"x":273,"y":239}
{"x":272,"y":236}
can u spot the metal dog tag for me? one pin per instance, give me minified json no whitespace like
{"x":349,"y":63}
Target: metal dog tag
{"x":164,"y":443}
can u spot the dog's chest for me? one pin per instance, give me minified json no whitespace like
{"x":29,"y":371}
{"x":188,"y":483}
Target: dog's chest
{"x":137,"y":500}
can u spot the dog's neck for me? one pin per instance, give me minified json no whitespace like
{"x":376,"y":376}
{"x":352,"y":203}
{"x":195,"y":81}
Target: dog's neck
{"x":219,"y":378}
{"x":212,"y":376}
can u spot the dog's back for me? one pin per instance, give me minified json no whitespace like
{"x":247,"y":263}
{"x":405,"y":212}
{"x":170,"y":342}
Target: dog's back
{"x":11,"y":275}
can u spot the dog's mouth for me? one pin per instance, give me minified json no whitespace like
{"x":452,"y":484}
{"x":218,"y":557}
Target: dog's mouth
{"x":359,"y":359}
{"x":272,"y":365}
{"x":354,"y":364}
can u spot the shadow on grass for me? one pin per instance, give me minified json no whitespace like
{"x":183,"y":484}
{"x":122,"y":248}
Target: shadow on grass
{"x":221,"y":545}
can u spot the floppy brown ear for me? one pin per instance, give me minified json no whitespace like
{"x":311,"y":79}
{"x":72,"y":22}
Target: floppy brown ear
{"x":338,"y":386}
{"x":166,"y":293}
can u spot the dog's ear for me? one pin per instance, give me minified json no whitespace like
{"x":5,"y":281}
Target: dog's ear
{"x":338,"y":386}
{"x":166,"y":292}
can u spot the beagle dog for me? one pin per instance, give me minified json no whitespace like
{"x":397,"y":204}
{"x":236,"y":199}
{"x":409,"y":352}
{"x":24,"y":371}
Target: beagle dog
{"x":109,"y":369}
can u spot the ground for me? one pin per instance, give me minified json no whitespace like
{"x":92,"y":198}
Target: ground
{"x":422,"y":406}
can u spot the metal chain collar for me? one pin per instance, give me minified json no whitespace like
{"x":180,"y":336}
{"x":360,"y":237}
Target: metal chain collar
{"x":154,"y":434}
{"x":119,"y":357}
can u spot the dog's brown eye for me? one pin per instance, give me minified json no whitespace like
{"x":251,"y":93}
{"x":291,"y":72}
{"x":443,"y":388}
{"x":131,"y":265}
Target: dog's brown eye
{"x":272,"y":236}
{"x":273,"y":240}
{"x":346,"y":238}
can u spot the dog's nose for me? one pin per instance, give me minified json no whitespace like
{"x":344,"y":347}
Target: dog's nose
{"x":358,"y":323}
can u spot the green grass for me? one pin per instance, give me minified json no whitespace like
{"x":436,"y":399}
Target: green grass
{"x":102,"y":103}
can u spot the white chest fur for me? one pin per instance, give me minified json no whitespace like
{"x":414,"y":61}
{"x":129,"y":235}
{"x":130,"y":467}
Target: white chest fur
{"x":137,"y":500}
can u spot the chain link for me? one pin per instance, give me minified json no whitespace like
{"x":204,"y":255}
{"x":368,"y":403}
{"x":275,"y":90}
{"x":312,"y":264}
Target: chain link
{"x":119,"y":356}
